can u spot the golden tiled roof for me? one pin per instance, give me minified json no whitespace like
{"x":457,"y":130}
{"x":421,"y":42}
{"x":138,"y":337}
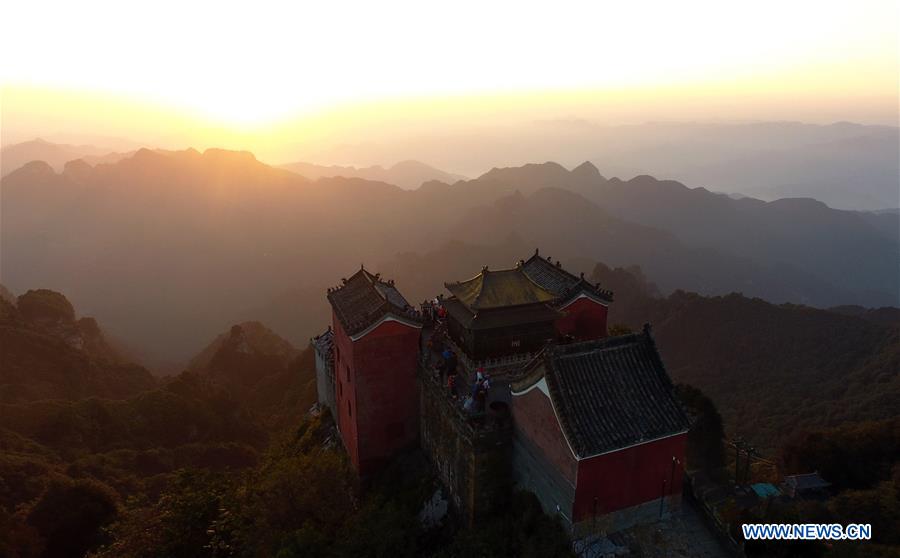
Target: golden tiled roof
{"x":499,"y":289}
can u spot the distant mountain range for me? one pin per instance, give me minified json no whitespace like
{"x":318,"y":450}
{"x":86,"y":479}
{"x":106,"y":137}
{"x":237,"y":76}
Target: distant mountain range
{"x":56,"y":155}
{"x":166,"y":248}
{"x":799,"y":241}
{"x":845,"y":165}
{"x":408,"y":175}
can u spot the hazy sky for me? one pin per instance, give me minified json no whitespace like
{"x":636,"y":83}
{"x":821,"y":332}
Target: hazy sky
{"x":235,"y":72}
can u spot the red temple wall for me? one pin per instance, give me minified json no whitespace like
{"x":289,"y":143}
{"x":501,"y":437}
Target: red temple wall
{"x":534,"y":417}
{"x":629,"y":477}
{"x":585,"y":319}
{"x":344,"y":391}
{"x":379,"y":403}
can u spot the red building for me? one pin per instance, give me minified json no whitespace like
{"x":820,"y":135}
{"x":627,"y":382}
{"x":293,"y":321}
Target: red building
{"x":376,"y":349}
{"x":599,"y":436}
{"x":504,"y":312}
{"x":584,"y":306}
{"x":595,"y":431}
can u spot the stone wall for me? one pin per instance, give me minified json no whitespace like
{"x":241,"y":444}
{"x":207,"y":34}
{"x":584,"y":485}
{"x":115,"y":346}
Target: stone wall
{"x":325,"y":380}
{"x":470,"y":454}
{"x":532,"y":472}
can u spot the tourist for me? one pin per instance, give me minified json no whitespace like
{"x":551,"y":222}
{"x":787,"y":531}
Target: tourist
{"x":480,"y":396}
{"x":446,"y":361}
{"x":451,"y":384}
{"x":452,"y":362}
{"x":469,"y":404}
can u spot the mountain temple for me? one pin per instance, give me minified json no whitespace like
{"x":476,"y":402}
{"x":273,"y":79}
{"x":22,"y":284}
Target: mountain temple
{"x":509,"y":380}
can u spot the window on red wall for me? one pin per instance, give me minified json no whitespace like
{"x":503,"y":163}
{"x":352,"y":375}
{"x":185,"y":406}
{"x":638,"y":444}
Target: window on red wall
{"x":349,"y":408}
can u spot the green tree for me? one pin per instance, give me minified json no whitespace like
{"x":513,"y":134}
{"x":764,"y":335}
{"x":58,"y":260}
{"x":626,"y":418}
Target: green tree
{"x":705,"y":449}
{"x":70,"y":516}
{"x":18,"y":540}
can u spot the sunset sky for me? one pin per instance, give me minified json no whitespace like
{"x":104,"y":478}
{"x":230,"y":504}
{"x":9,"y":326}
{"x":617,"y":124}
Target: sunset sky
{"x":256,"y":73}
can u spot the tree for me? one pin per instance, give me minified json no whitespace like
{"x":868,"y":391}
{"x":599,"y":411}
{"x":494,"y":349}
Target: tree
{"x":523,"y":530}
{"x":179,"y":524}
{"x":70,"y":516}
{"x":705,"y":449}
{"x":18,"y":540}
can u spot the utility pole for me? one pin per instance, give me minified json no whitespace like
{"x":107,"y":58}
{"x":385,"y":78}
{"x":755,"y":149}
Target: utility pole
{"x":675,"y":461}
{"x":662,"y":497}
{"x":742,"y":470}
{"x":750,"y":452}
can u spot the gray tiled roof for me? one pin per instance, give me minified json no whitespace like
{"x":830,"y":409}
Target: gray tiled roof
{"x":549,"y":276}
{"x":612,"y":393}
{"x":364,"y":298}
{"x":808,"y":481}
{"x":324,"y":342}
{"x":557,"y":280}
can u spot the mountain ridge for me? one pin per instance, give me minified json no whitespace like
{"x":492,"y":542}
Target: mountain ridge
{"x":408,"y":174}
{"x":170,"y":246}
{"x":50,"y":353}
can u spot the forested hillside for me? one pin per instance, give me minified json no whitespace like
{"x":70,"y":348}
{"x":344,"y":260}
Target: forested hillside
{"x":225,"y":458}
{"x":49,"y":354}
{"x":772,"y":370}
{"x":85,"y":434}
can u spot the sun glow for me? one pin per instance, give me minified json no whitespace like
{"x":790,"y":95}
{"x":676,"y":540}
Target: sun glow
{"x":202,"y":67}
